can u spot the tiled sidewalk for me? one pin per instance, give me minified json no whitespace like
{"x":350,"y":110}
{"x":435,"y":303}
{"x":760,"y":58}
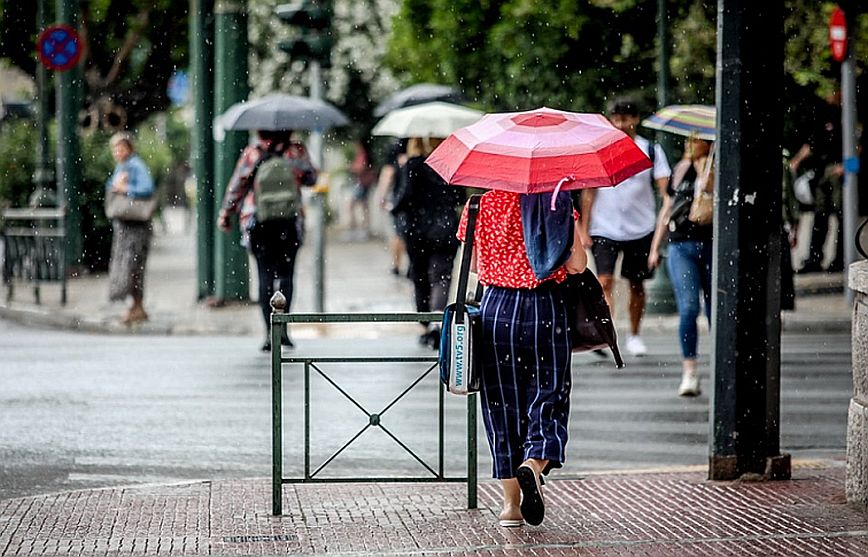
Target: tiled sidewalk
{"x":674,"y":513}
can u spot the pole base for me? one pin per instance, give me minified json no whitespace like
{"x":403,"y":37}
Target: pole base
{"x":723,"y":468}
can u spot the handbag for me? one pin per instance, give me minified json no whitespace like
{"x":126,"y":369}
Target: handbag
{"x":461,"y":330}
{"x":122,"y":207}
{"x":702,"y":207}
{"x":590,"y":321}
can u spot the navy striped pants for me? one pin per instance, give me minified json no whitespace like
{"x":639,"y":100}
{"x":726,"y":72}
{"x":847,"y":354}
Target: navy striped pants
{"x":526,"y":376}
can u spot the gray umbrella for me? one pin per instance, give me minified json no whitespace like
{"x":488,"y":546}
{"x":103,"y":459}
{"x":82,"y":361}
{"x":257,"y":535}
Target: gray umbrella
{"x":279,"y":111}
{"x":418,"y":94}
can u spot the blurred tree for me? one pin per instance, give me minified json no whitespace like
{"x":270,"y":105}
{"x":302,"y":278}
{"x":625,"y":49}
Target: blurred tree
{"x":357,"y":78}
{"x":515,"y":54}
{"x":131,"y":48}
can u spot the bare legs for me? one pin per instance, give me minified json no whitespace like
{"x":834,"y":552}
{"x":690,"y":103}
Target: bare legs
{"x":136,"y":312}
{"x":512,"y":492}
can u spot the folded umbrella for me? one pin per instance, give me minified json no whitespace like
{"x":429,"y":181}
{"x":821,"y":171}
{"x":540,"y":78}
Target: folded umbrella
{"x":433,"y":119}
{"x":538,"y":151}
{"x":696,"y":120}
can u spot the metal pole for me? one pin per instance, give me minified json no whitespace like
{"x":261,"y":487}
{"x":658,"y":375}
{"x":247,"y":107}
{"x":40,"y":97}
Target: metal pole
{"x":68,"y":151}
{"x":276,"y":418}
{"x":663,"y":48}
{"x":320,"y":198}
{"x":850,"y":156}
{"x":44,"y":174}
{"x":230,"y":86}
{"x":745,"y":424}
{"x":471,"y":452}
{"x":202,"y":142}
{"x":661,"y":298}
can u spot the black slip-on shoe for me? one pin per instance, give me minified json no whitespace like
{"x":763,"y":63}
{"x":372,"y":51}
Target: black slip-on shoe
{"x":532,"y":505}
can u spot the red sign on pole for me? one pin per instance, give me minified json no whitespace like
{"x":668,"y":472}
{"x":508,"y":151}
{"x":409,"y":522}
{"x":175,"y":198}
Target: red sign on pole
{"x":838,"y":35}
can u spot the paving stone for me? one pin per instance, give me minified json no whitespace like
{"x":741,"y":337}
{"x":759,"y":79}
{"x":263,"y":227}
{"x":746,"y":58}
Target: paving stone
{"x":618,"y":514}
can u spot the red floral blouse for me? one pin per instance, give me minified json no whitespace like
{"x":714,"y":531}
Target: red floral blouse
{"x":501,"y":256}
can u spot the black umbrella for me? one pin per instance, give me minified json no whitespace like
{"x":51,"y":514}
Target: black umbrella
{"x":279,"y":111}
{"x":418,"y":94}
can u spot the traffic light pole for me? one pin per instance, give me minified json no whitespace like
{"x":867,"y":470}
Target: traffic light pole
{"x":230,"y":86}
{"x":202,"y":152}
{"x":321,"y":197}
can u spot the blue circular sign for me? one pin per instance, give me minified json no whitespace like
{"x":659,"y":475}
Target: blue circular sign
{"x":59,"y":47}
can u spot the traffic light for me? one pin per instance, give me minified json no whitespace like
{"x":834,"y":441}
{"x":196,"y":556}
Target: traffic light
{"x":313,"y":39}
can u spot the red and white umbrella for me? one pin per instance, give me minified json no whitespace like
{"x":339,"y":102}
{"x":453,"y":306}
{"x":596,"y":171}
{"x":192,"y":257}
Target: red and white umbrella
{"x":538,"y":151}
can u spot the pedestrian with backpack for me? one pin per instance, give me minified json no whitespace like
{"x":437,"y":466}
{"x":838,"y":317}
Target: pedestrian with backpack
{"x":264,"y":191}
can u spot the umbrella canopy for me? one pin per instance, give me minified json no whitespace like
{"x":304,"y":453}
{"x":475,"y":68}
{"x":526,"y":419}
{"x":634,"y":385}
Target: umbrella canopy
{"x":279,"y":111}
{"x":697,"y":120}
{"x":418,"y":94}
{"x":434,"y":119}
{"x":538,"y":151}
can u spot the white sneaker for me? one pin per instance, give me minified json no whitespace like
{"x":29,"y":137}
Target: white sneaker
{"x":689,"y":385}
{"x":636,"y":346}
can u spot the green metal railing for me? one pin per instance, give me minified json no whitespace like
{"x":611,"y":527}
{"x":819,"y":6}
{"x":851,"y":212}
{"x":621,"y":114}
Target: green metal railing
{"x":312,"y":363}
{"x":34,"y":243}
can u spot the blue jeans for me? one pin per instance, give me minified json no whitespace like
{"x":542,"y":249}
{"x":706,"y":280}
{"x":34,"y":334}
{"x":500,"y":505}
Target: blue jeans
{"x":689,"y":266}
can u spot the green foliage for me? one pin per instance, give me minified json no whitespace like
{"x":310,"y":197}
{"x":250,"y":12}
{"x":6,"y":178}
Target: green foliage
{"x":808,"y":59}
{"x":17,"y":162}
{"x":518,"y":54}
{"x":694,"y":50}
{"x":162,"y":142}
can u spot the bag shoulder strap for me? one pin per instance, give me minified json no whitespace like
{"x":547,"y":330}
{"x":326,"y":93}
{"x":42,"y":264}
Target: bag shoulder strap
{"x":466,"y":254}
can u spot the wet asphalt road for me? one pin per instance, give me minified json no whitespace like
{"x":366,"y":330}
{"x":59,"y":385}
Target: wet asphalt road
{"x":83,"y":411}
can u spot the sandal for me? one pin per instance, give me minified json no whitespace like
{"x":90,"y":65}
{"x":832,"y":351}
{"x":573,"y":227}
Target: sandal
{"x":532,"y":504}
{"x":511,"y":522}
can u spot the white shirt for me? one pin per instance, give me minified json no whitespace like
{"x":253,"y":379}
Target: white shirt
{"x":628,"y":211}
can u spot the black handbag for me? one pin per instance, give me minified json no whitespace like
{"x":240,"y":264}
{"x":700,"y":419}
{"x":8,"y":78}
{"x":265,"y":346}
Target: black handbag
{"x":591,"y":325}
{"x":461,"y":330}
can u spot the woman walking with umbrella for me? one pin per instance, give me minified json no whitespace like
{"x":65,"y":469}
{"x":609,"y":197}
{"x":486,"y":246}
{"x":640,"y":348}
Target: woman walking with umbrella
{"x":690,"y":252}
{"x":688,"y":229}
{"x":526,"y":345}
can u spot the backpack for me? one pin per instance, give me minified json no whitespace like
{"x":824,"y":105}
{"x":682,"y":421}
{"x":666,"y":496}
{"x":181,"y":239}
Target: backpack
{"x":275,"y":189}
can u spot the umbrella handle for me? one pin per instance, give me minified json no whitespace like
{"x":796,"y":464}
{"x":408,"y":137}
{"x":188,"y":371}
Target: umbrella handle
{"x":555,"y":193}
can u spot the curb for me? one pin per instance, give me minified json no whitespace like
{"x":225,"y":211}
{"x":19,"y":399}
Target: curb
{"x":30,"y":316}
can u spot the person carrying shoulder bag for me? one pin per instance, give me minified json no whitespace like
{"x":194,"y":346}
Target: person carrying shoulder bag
{"x":685,"y":218}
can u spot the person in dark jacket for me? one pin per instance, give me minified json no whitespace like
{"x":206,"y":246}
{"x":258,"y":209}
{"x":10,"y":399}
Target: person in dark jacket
{"x":426,"y":210}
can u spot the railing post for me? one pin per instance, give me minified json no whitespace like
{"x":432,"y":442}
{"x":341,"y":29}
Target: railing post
{"x":471,"y":451}
{"x":278,"y":304}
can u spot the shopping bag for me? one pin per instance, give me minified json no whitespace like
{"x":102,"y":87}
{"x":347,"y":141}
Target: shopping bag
{"x":460,"y":337}
{"x":461,"y":330}
{"x":590,"y":321}
{"x":123,"y":207}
